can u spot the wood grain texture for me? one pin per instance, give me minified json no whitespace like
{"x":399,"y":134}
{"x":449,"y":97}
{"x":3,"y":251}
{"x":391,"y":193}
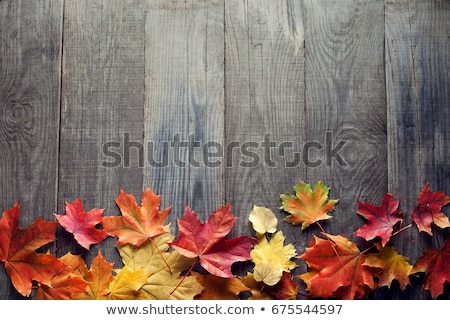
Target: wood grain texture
{"x":184,"y":108}
{"x":102,"y":102}
{"x":345,"y":104}
{"x":215,"y":101}
{"x":30,"y":62}
{"x":264,"y":101}
{"x":418,"y":101}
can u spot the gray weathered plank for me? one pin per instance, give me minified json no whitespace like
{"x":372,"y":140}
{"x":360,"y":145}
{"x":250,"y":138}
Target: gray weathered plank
{"x":184,"y":106}
{"x":264,"y":100}
{"x":262,"y":90}
{"x":30,"y":63}
{"x":345,"y":105}
{"x":102,"y":102}
{"x":418,"y":100}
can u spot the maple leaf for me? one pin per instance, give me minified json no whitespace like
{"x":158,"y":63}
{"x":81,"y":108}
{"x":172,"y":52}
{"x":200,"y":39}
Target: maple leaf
{"x":285,"y":289}
{"x":307,"y":206}
{"x":82,"y":224}
{"x":65,"y":284}
{"x":435,"y":264}
{"x":381,"y":219}
{"x":137,"y":223}
{"x":271,"y":258}
{"x":99,"y":276}
{"x":337,"y":269}
{"x":217,"y":288}
{"x":392,"y":265}
{"x":17,"y":251}
{"x":428,"y":210}
{"x":206,"y":241}
{"x":263,"y":220}
{"x":154,"y":259}
{"x":257,"y":288}
{"x":127,"y":285}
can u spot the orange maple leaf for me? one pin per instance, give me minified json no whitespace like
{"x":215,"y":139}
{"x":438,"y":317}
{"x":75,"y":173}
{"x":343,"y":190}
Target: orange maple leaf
{"x":67,"y":283}
{"x":337,"y":269}
{"x":99,"y":276}
{"x":137,"y":223}
{"x":257,"y":288}
{"x":392,"y":266}
{"x":17,"y":251}
{"x":82,"y":224}
{"x":307,"y":206}
{"x":217,"y":288}
{"x":286,"y":289}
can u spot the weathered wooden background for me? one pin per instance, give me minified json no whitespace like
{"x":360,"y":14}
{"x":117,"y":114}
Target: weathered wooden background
{"x":364,"y":84}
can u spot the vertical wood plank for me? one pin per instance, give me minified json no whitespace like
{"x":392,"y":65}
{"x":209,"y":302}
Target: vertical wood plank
{"x":418,"y":99}
{"x":346,"y":109}
{"x":30,"y":64}
{"x":185,"y":104}
{"x":264,"y":100}
{"x":102,"y":104}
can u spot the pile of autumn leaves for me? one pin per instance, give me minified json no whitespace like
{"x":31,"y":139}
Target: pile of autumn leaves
{"x":198,"y":264}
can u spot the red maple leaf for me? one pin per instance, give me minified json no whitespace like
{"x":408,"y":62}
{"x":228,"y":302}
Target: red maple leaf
{"x":428,"y":210}
{"x":206,"y":241}
{"x":137,"y":223}
{"x":82,"y":224}
{"x":381,"y":219}
{"x":17,"y":251}
{"x":435,"y":264}
{"x":336,"y":269}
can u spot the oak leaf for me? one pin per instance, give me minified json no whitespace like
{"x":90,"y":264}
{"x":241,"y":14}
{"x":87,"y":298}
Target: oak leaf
{"x":263,"y":220}
{"x":337,"y":269}
{"x":82,"y":224}
{"x":435,"y":264}
{"x":67,"y":283}
{"x":217,"y":288}
{"x":381,"y":219}
{"x":272,"y":258}
{"x":392,"y":265}
{"x":206,"y":241}
{"x":137,"y":223}
{"x":307,"y":206}
{"x":428,"y":210}
{"x":18,"y":251}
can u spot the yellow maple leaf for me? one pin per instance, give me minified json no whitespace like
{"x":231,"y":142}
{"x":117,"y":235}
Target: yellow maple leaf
{"x":263,"y":220}
{"x":164,"y":269}
{"x":271,"y":258}
{"x":127,"y":284}
{"x":392,"y":264}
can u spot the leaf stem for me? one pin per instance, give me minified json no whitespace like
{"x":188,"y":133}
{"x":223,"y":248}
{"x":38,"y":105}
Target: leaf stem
{"x":331,"y":243}
{"x":402,"y":197}
{"x":161,"y":254}
{"x":402,"y":229}
{"x":184,"y":277}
